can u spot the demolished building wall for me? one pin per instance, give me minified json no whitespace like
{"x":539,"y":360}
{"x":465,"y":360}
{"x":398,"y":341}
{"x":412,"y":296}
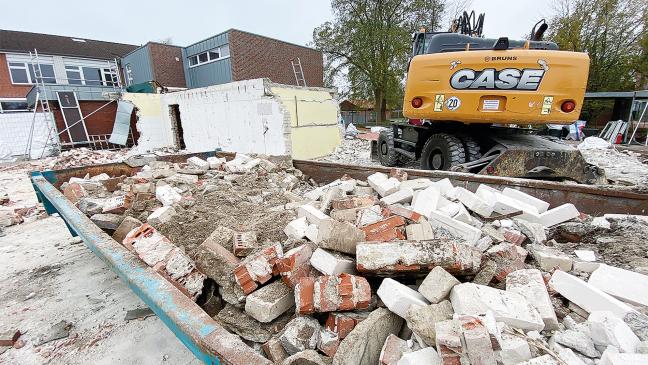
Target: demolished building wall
{"x":252,"y":116}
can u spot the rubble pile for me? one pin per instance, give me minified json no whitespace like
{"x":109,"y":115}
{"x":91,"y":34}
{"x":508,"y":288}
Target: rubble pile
{"x":389,"y":270}
{"x":83,"y":157}
{"x":622,"y":167}
{"x":352,"y":151}
{"x":12,"y":213}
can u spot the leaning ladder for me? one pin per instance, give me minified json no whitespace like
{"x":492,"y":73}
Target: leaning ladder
{"x":299,"y":72}
{"x":41,"y":99}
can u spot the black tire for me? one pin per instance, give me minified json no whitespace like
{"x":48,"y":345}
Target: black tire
{"x":471,"y":148}
{"x":441,"y":152}
{"x":386,"y":153}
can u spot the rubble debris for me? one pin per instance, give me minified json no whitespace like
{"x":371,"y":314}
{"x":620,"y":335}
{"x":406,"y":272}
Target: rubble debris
{"x":138,"y":313}
{"x":258,"y":238}
{"x":56,"y":332}
{"x":332,"y":293}
{"x":9,"y":337}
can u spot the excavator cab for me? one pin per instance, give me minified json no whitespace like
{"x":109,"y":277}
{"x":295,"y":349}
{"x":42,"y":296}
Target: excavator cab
{"x":464,"y":92}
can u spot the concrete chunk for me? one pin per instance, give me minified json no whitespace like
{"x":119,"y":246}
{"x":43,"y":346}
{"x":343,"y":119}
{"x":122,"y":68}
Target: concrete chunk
{"x":363,"y":345}
{"x":473,"y":202}
{"x":609,"y":330}
{"x":634,"y":288}
{"x":585,"y":295}
{"x":514,"y":350}
{"x":437,"y":285}
{"x":422,"y":319}
{"x":269,"y":302}
{"x":404,"y":195}
{"x":530,"y":284}
{"x":198,"y":163}
{"x":426,"y":356}
{"x":312,"y":214}
{"x":417,"y":256}
{"x":161,"y":215}
{"x":416,"y":184}
{"x":549,"y":258}
{"x":301,"y":333}
{"x":426,"y":201}
{"x":510,"y":308}
{"x":398,"y":297}
{"x":167,"y":195}
{"x":393,"y":350}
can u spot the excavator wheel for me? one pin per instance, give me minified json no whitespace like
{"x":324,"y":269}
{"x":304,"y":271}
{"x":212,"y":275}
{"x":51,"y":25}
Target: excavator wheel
{"x":441,"y":152}
{"x":386,"y":153}
{"x":471,"y":147}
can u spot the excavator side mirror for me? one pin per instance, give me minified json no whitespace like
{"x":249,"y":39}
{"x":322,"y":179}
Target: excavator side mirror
{"x":538,"y":34}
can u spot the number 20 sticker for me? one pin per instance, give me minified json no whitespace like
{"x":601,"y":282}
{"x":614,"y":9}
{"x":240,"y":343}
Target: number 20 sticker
{"x":453,"y":103}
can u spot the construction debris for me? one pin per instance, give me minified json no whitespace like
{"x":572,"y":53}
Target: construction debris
{"x":383,"y":271}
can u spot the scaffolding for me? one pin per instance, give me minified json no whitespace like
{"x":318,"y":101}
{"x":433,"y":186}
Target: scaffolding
{"x":53,"y":143}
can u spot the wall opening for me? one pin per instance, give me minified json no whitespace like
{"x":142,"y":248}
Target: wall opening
{"x":176,"y":126}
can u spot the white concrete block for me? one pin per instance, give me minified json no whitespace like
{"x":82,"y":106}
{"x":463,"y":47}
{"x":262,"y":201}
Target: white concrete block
{"x":312,"y":233}
{"x":462,"y":230}
{"x":443,"y":185}
{"x":549,"y":258}
{"x":398,"y":297}
{"x":622,"y":284}
{"x":426,"y":356}
{"x":569,"y":357}
{"x":611,"y":357}
{"x":463,"y":215}
{"x":269,"y":302}
{"x":510,"y":308}
{"x":387,"y":187}
{"x":473,"y":202}
{"x":312,"y":214}
{"x":198,"y":163}
{"x":530,"y":284}
{"x":416,"y":184}
{"x":216,"y":163}
{"x":601,"y":222}
{"x":419,"y":231}
{"x":437,"y":285}
{"x":606,"y":329}
{"x":314,"y":194}
{"x":514,"y":350}
{"x":297,"y":228}
{"x":404,"y":195}
{"x":541,"y":360}
{"x":426,"y":201}
{"x":586,"y":255}
{"x":499,"y":203}
{"x":558,"y":215}
{"x":585,"y":295}
{"x":330,"y":263}
{"x":161,"y":215}
{"x":451,"y":209}
{"x":374,"y":180}
{"x":167,"y":195}
{"x":585,"y":266}
{"x":540,"y":205}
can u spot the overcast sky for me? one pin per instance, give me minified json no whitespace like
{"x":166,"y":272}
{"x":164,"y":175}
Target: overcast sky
{"x":186,"y":22}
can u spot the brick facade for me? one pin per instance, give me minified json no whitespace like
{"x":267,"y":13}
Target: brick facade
{"x":166,"y":64}
{"x":254,"y":56}
{"x":7,"y":89}
{"x":100,"y":122}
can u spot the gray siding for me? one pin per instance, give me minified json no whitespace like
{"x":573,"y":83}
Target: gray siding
{"x":140,"y":62}
{"x":214,"y":73}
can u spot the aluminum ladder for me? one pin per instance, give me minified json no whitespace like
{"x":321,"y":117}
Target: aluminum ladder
{"x":299,"y":72}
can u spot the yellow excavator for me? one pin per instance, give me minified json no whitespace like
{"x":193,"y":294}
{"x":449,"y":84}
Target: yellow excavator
{"x":471,"y":103}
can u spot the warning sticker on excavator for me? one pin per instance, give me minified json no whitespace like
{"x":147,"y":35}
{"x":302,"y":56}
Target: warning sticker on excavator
{"x":546,"y":105}
{"x":438,"y":102}
{"x":491,"y":105}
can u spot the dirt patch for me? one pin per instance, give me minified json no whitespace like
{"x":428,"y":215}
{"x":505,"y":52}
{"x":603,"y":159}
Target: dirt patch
{"x":244,"y":204}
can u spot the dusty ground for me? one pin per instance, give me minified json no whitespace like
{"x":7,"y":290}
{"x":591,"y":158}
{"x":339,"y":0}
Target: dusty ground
{"x":47,"y":276}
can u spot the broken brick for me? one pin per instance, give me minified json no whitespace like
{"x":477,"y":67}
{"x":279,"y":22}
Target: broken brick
{"x":386,"y":230}
{"x":295,"y":264}
{"x":244,"y":243}
{"x":332,"y":293}
{"x":257,"y":268}
{"x":353,"y":202}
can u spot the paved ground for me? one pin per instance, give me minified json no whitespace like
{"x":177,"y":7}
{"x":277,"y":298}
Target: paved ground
{"x":47,"y":276}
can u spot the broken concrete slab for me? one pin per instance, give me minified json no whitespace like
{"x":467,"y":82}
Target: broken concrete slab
{"x":422,"y":319}
{"x":607,"y":329}
{"x":510,"y":308}
{"x":161,"y":215}
{"x":549,"y":258}
{"x":332,"y":263}
{"x":417,"y":256}
{"x":242,"y":324}
{"x":530,"y":284}
{"x":578,"y":341}
{"x":301,"y":333}
{"x":514,"y":350}
{"x":363,"y":345}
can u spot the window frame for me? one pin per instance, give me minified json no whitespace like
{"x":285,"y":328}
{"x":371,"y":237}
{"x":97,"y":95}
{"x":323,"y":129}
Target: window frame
{"x":19,"y":100}
{"x":103,"y":72}
{"x":27,"y":67}
{"x":208,"y":53}
{"x":129,"y":74}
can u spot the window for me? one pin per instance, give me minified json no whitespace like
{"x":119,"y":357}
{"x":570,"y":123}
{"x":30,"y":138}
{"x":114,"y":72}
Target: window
{"x":91,"y":76}
{"x":13,"y":105}
{"x":23,"y":73}
{"x":209,"y":56}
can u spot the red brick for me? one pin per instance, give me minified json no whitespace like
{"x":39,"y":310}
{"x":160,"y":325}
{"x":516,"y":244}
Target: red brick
{"x":74,"y":192}
{"x":386,"y":230}
{"x":304,"y":295}
{"x":334,"y":293}
{"x":515,"y":237}
{"x":403,"y":212}
{"x":295,"y":265}
{"x":344,"y":323}
{"x":328,"y":342}
{"x":258,"y":267}
{"x":354,"y":202}
{"x":244,"y":280}
{"x":392,"y":350}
